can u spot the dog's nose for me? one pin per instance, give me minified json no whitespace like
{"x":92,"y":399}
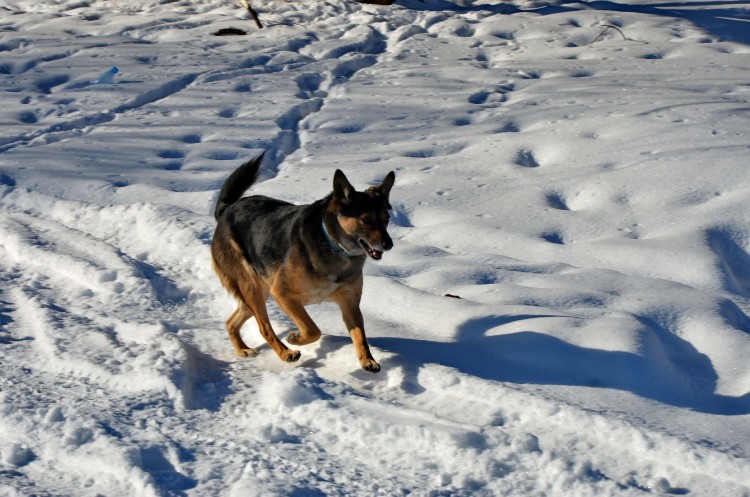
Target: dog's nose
{"x":387,"y":243}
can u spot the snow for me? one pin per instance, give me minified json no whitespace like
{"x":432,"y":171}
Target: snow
{"x":575,"y":172}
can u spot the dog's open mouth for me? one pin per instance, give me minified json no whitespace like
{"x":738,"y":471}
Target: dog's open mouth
{"x":375,"y":254}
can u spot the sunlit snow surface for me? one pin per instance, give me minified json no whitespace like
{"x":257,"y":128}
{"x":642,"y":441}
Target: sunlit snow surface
{"x":576,"y":172}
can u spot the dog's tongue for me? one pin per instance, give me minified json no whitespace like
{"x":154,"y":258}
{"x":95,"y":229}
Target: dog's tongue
{"x":377,"y":254}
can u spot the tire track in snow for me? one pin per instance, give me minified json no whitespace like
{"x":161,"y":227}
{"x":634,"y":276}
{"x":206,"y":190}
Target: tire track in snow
{"x":369,"y":43}
{"x":77,"y":354}
{"x":513,"y":433}
{"x":98,"y":330}
{"x":289,"y":139}
{"x":314,"y":87}
{"x":66,"y":274}
{"x":84,"y":124}
{"x":98,"y":313}
{"x":39,"y":425}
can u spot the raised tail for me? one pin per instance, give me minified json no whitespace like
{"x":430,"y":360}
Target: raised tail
{"x":237,"y":184}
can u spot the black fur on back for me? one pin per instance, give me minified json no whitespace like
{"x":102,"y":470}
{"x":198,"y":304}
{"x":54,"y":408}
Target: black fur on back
{"x":237,"y":184}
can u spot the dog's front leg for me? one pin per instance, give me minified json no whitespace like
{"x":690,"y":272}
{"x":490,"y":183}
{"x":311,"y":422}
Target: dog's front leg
{"x":348,"y":302}
{"x":355,"y":323}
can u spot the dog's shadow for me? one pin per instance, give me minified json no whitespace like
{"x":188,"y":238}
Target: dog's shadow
{"x":683,"y":377}
{"x":672,"y":371}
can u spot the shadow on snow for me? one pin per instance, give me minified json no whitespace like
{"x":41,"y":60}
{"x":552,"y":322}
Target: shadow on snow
{"x":670,"y":370}
{"x":727,"y":21}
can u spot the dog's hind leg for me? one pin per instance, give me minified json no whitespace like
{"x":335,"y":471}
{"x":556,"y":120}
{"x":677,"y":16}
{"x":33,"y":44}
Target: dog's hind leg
{"x":227,"y":262}
{"x":239,"y":278}
{"x":308,"y":330}
{"x":254,"y":296}
{"x":234,"y":323}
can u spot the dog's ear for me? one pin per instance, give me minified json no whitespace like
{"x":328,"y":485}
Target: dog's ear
{"x":387,"y":184}
{"x":342,"y":189}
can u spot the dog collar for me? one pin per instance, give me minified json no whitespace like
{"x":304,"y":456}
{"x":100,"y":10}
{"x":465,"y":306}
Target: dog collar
{"x":337,"y":248}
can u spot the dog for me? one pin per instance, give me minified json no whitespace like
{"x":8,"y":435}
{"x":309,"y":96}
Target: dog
{"x":299,"y":254}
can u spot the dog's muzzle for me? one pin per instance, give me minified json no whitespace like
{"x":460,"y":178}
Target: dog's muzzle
{"x":376,"y":253}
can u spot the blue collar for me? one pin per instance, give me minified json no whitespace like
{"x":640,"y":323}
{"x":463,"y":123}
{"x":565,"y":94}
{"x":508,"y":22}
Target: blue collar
{"x":335,"y":246}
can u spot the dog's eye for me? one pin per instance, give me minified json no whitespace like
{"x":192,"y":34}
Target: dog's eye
{"x":367,"y":220}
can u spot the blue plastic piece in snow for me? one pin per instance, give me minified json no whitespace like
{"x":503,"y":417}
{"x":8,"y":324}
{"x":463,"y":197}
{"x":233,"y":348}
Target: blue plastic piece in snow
{"x":106,"y":78}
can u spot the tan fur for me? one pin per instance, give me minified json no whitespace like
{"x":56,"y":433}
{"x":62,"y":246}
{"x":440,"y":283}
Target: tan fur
{"x":302,"y":255}
{"x":349,"y":224}
{"x":292,"y":287}
{"x":239,"y":278}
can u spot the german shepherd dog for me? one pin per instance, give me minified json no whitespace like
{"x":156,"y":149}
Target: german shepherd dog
{"x":300,"y":254}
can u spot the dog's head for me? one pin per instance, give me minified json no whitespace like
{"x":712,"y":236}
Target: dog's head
{"x":363,"y":216}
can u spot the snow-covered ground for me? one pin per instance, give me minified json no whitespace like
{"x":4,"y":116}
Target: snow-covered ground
{"x":577,"y":173}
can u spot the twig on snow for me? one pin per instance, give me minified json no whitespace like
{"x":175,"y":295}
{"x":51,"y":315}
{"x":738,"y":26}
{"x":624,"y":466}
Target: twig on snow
{"x":607,"y":27}
{"x":254,"y":14}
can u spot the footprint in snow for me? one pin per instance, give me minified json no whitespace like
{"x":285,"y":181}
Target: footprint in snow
{"x":46,"y":85}
{"x":509,"y":127}
{"x":526,"y":158}
{"x":497,"y":95}
{"x":556,"y":200}
{"x":243,"y":88}
{"x":28,"y":117}
{"x":193,"y":138}
{"x":171,"y":154}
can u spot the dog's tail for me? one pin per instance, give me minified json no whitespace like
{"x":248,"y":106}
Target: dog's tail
{"x":238,"y":183}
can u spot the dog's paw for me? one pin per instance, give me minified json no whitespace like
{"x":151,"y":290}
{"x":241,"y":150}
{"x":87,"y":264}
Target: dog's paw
{"x":296,"y":338}
{"x":247,"y":352}
{"x":291,"y":355}
{"x":370,"y":365}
